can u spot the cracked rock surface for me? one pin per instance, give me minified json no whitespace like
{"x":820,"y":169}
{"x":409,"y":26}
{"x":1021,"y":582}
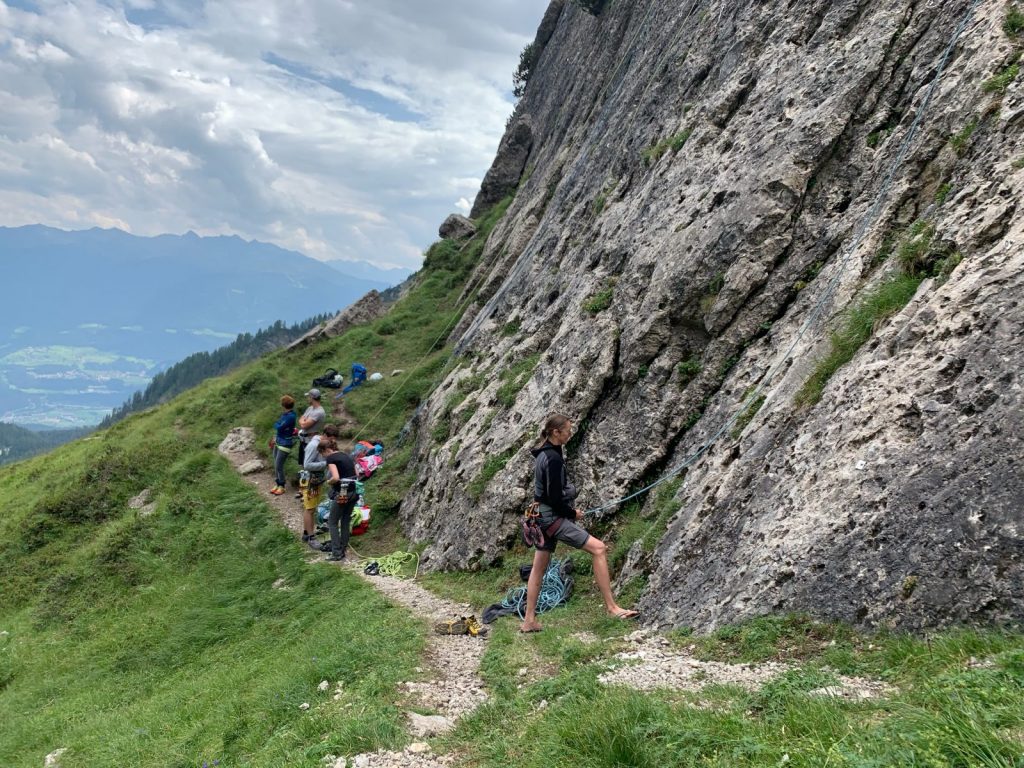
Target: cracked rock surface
{"x":694,"y":178}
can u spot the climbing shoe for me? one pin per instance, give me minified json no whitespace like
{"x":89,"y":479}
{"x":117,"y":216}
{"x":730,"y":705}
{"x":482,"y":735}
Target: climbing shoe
{"x":372,"y":569}
{"x":313,"y":544}
{"x":325,"y":547}
{"x":452,"y":627}
{"x":277,"y":490}
{"x":474,"y":627}
{"x":335,"y":558}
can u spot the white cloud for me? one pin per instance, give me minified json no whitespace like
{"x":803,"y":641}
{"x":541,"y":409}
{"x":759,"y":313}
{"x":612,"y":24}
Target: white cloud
{"x":300,"y":122}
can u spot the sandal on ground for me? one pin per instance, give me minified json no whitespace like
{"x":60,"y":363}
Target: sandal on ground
{"x":626,"y":615}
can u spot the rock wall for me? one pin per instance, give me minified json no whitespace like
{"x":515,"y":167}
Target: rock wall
{"x":694,"y":182}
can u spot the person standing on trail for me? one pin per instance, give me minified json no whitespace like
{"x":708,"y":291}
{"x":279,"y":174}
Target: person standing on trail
{"x":555,"y":496}
{"x":310,"y":424}
{"x":284,"y":440}
{"x":314,"y":465}
{"x":341,"y":481}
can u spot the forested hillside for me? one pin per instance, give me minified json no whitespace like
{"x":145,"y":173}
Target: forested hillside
{"x":203,"y":365}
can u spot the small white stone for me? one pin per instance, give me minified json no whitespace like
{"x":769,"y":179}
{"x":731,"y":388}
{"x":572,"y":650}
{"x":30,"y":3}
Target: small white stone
{"x":324,"y":685}
{"x":861,"y":464}
{"x":418,"y":747}
{"x":53,"y":759}
{"x":304,"y":706}
{"x":361,"y":761}
{"x":522,"y":671}
{"x":543,"y":704}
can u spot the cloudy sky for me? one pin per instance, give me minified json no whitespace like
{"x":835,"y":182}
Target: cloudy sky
{"x":339,"y":128}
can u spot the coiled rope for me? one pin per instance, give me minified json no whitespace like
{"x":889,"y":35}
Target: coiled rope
{"x":554,"y":590}
{"x":391,"y":565}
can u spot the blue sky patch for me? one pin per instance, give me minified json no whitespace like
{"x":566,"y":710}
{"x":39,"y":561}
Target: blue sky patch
{"x":365,"y":98}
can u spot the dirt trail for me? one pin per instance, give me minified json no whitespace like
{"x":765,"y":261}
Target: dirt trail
{"x":452,"y":663}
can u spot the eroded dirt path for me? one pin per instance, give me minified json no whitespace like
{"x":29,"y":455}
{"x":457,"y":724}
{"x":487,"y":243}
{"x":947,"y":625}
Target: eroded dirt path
{"x":453,"y":686}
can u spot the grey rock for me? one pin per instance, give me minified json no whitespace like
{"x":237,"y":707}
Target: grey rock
{"x":428,"y":725}
{"x":507,"y":169}
{"x":52,"y":760}
{"x":718,"y":251}
{"x":249,"y":467}
{"x":364,"y":311}
{"x":457,"y":227}
{"x":238,"y":440}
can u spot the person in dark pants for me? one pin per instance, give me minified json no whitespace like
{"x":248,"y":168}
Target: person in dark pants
{"x":555,"y":495}
{"x":284,"y":441}
{"x":341,"y":477}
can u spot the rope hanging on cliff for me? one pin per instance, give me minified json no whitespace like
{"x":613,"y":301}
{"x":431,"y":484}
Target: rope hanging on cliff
{"x":831,"y":286}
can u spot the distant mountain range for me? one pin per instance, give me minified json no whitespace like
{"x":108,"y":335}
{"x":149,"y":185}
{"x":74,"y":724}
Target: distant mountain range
{"x":90,"y":316}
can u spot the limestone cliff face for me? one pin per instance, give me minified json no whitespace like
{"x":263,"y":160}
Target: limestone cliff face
{"x":694,"y":178}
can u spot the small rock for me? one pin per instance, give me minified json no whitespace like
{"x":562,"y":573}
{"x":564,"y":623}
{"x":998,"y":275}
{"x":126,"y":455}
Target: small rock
{"x":361,"y":761}
{"x":138,"y":502}
{"x":456,"y":227}
{"x":304,"y":706}
{"x":418,"y":747}
{"x":543,"y":704}
{"x":5,"y":633}
{"x":53,"y":759}
{"x":428,"y":725}
{"x":860,"y":465}
{"x":249,"y":467}
{"x":329,"y":759}
{"x":238,"y":440}
{"x":324,"y":685}
{"x":522,"y":671}
{"x":280,"y":584}
{"x":397,"y":372}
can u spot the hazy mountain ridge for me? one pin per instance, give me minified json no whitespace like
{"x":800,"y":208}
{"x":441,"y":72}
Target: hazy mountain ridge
{"x":90,"y":316}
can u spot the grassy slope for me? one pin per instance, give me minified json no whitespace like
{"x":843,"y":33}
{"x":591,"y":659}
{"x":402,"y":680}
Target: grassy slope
{"x":160,"y":640}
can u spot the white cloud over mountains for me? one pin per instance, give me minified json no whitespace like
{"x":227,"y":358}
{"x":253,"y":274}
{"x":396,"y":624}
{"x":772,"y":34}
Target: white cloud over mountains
{"x":343,"y":129}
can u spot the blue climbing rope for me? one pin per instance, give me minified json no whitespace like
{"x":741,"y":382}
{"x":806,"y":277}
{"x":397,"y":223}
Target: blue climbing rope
{"x":554,"y":590}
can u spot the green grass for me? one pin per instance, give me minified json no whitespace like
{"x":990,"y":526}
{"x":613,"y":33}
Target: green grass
{"x":942,"y":194}
{"x":677,"y":141}
{"x":514,"y":378}
{"x":160,"y":640}
{"x":600,"y":301}
{"x":746,"y":417}
{"x":999,"y":83}
{"x":1013,"y":22}
{"x":943,"y":711}
{"x":962,"y":138}
{"x":885,"y":300}
{"x":688,"y":370}
{"x":492,"y":466}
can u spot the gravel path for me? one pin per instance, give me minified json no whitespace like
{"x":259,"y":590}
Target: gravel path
{"x":452,"y":662}
{"x":651,"y":662}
